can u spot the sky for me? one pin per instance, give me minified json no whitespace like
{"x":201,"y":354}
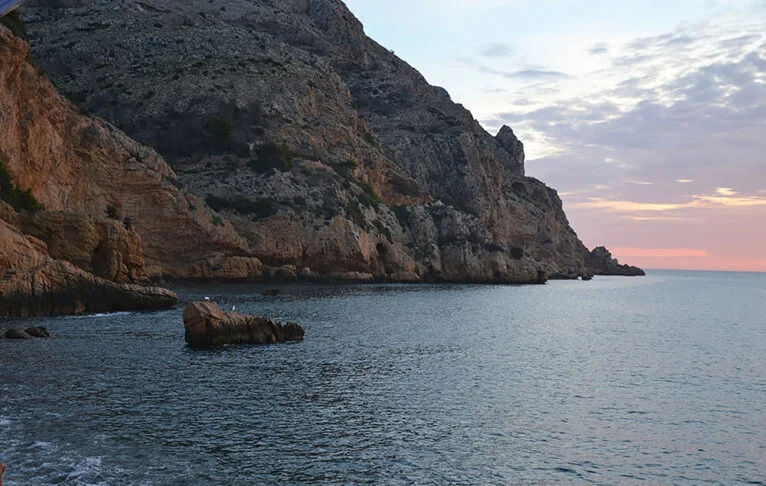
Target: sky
{"x":648,"y":117}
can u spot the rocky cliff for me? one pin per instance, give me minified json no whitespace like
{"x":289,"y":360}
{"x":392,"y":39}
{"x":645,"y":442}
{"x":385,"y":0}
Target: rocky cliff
{"x":330,"y":156}
{"x":106,"y":196}
{"x":34,"y":284}
{"x":601,"y":262}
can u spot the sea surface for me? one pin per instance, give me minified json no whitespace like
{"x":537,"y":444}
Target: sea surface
{"x":653,"y":380}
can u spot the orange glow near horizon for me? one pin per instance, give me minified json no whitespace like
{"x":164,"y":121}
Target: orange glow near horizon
{"x":721,"y":229}
{"x":685,"y":259}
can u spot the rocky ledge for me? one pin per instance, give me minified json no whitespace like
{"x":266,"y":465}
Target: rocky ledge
{"x":601,"y":262}
{"x":59,"y":288}
{"x":33,"y":283}
{"x":207,"y":326}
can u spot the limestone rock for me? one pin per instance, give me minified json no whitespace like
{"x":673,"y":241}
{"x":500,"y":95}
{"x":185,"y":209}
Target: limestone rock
{"x":315,"y":143}
{"x":601,"y":262}
{"x":59,"y":288}
{"x":512,"y":145}
{"x":104,"y":247}
{"x":207,"y":326}
{"x":296,"y":139}
{"x":76,"y":164}
{"x":34,"y":284}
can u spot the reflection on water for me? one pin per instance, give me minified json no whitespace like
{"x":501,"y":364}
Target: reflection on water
{"x":660,"y":379}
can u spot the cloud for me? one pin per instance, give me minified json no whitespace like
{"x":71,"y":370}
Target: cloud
{"x":625,"y":206}
{"x":539,"y":74}
{"x":523,"y":74}
{"x":657,"y":218}
{"x":732,"y":202}
{"x":660,"y":252}
{"x":497,"y":49}
{"x":675,"y":111}
{"x":724,"y":197}
{"x":599,"y":48}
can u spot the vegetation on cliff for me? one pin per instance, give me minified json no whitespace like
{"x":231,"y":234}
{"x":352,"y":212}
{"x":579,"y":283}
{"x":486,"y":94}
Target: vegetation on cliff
{"x":19,"y":199}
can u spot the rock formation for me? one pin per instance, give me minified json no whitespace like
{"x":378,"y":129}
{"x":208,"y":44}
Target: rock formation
{"x":300,"y":150}
{"x":207,"y":326}
{"x":600,"y":262}
{"x":34,"y":284}
{"x":88,"y":172}
{"x":331,"y":157}
{"x":37,"y":332}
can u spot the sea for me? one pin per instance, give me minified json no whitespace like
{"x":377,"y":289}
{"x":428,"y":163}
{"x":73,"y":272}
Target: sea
{"x":652,"y":380}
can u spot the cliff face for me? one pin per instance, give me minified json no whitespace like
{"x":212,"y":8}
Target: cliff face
{"x":34,"y":284}
{"x":114,"y":206}
{"x":329,"y":155}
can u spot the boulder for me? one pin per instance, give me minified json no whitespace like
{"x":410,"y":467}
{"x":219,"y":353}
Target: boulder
{"x":206,"y":326}
{"x":38,"y":332}
{"x":15,"y":334}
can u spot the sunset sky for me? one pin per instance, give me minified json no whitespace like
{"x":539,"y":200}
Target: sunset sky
{"x":649,"y":117}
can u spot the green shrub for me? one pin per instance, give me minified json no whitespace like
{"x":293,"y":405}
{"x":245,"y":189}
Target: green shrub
{"x":216,"y":221}
{"x":345,"y":167}
{"x":221,"y":132}
{"x":272,"y":156}
{"x":370,"y":138}
{"x":368,"y":197}
{"x":18,"y":198}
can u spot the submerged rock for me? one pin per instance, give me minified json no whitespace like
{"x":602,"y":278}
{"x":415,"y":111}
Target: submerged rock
{"x":38,"y":332}
{"x":207,"y":326}
{"x":15,"y":334}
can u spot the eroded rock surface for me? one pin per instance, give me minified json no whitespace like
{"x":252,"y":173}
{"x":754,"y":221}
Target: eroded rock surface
{"x":601,"y":262}
{"x":207,"y":326}
{"x":34,"y":284}
{"x":78,"y":164}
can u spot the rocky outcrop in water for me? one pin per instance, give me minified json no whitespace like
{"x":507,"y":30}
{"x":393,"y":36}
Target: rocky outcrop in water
{"x":207,"y":326}
{"x":36,"y":332}
{"x":328,"y":154}
{"x":601,"y":262}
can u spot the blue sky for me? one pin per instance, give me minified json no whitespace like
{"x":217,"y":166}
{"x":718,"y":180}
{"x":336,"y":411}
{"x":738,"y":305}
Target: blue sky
{"x":649,"y":117}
